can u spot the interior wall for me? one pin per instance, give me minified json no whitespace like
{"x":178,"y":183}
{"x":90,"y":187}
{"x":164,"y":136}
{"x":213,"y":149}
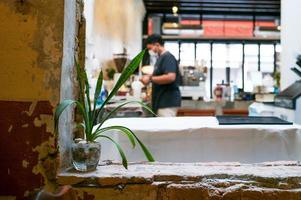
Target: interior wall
{"x":111,"y":26}
{"x":31,"y":56}
{"x":290,"y":39}
{"x":30,"y":53}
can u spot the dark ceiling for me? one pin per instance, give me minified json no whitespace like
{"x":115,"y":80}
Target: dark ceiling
{"x":257,"y":8}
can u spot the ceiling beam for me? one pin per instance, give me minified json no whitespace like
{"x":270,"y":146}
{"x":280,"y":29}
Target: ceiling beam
{"x":211,"y":12}
{"x":277,"y":2}
{"x":215,"y":7}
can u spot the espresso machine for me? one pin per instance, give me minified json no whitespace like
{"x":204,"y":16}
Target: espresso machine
{"x":193,"y":82}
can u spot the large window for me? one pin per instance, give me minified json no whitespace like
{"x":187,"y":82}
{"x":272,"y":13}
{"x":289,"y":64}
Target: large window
{"x":173,"y":47}
{"x":251,"y":57}
{"x":235,"y":64}
{"x":267,"y":58}
{"x":247,"y":63}
{"x":187,"y":53}
{"x":203,"y":58}
{"x":219,"y":63}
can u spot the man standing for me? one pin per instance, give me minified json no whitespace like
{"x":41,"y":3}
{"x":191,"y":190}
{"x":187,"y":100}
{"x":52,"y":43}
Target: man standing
{"x":166,"y":96}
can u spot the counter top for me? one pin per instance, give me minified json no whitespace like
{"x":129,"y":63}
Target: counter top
{"x":202,"y":139}
{"x":154,"y":124}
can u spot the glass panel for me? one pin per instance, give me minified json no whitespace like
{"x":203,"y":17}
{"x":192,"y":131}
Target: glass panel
{"x":278,"y":52}
{"x":203,"y":60}
{"x":235,"y":62}
{"x":173,"y":48}
{"x":235,"y":55}
{"x":251,"y":57}
{"x":267,"y":58}
{"x":203,"y":53}
{"x":187,"y":54}
{"x":227,"y":55}
{"x":220,"y":56}
{"x":219,"y":64}
{"x":251,"y":65}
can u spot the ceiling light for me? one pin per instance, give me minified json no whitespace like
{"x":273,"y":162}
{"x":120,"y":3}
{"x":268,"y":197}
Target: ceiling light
{"x":175,"y":9}
{"x":267,"y":31}
{"x":169,"y":28}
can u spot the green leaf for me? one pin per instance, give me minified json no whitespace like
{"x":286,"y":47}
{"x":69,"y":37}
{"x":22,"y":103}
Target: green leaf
{"x":63,"y":105}
{"x":121,"y":129}
{"x":123,"y":157}
{"x":146,"y":152}
{"x":127,"y":72}
{"x":87,"y":93}
{"x":97,"y":93}
{"x":120,"y":106}
{"x":85,"y":102}
{"x":59,"y":110}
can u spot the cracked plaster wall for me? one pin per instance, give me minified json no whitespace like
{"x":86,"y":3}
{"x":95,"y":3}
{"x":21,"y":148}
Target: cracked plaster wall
{"x":31,"y":40}
{"x":31,"y":55}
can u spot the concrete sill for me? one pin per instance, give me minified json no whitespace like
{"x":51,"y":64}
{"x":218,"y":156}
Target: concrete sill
{"x":283,"y":175}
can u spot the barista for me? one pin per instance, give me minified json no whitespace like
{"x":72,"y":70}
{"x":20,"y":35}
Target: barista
{"x":166,"y":96}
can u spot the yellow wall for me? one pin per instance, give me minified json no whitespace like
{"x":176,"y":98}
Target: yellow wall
{"x":31,"y":36}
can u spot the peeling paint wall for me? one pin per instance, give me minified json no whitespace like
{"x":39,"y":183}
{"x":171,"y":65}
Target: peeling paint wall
{"x":31,"y":38}
{"x":74,"y":40}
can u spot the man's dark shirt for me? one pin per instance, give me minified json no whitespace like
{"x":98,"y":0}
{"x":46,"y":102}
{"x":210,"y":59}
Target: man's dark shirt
{"x":166,"y":95}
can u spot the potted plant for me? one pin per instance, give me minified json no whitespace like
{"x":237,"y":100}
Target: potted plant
{"x":86,"y":151}
{"x":109,"y":84}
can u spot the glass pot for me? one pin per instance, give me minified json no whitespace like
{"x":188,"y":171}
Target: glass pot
{"x":85,"y":155}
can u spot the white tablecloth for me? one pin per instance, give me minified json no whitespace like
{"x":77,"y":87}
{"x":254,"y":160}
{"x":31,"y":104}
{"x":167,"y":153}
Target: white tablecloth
{"x":201,"y":139}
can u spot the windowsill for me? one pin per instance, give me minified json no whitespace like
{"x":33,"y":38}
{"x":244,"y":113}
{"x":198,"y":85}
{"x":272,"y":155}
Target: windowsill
{"x":276,"y":175}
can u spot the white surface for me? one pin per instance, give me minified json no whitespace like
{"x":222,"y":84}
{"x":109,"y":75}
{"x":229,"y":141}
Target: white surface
{"x":148,"y":69}
{"x":290,"y":40}
{"x":261,"y":109}
{"x":118,"y":100}
{"x":194,"y":91}
{"x":201,"y":139}
{"x":298,"y":111}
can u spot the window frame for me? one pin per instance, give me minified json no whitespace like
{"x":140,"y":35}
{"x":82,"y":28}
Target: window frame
{"x":226,"y":41}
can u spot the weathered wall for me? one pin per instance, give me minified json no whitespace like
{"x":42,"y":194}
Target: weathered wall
{"x":111,"y":26}
{"x":31,"y":38}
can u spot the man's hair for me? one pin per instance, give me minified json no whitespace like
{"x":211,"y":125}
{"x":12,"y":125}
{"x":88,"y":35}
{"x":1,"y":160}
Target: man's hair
{"x":155,"y":38}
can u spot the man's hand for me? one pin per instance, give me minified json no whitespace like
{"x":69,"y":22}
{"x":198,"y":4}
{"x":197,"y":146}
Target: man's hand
{"x":145,"y":79}
{"x":161,"y":79}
